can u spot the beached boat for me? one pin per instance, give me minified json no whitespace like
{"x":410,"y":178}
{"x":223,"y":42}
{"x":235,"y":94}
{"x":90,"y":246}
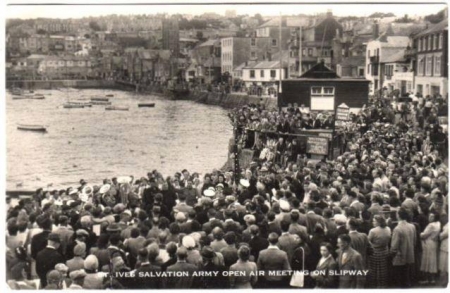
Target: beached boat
{"x":104,"y":103}
{"x":29,"y":96}
{"x":149,"y":105}
{"x":103,"y":99}
{"x":30,"y":127}
{"x":110,"y":95}
{"x":37,"y":97}
{"x":71,"y":106}
{"x":20,"y":91}
{"x":117,"y":108}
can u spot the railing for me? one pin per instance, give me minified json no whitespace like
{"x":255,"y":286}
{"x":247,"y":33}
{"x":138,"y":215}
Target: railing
{"x":410,"y":53}
{"x":374,"y":59}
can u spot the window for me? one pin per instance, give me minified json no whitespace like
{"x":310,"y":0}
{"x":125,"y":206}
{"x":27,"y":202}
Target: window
{"x":437,"y":65}
{"x":441,"y":40}
{"x":426,"y":44}
{"x":261,"y":72}
{"x":421,"y":66}
{"x":253,"y":42}
{"x":419,"y":48}
{"x":343,"y":52}
{"x":303,"y":52}
{"x":322,"y":98}
{"x":431,"y":41}
{"x":252,"y":74}
{"x":361,"y":72}
{"x":253,"y":54}
{"x":325,"y":53}
{"x":429,"y":65}
{"x":368,"y":68}
{"x":273,"y":73}
{"x":436,"y":42}
{"x":310,"y":51}
{"x":274,"y":42}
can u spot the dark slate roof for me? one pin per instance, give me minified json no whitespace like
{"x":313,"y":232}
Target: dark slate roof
{"x":319,"y":71}
{"x":434,"y":29}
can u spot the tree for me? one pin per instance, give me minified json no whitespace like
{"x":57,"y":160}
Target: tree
{"x":41,"y":32}
{"x":94,"y":26}
{"x":259,"y":18}
{"x":87,"y":36}
{"x":199,"y":35}
{"x":404,"y":19}
{"x":436,"y":18}
{"x":381,"y":15}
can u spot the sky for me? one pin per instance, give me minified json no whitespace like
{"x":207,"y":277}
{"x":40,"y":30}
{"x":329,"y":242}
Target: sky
{"x":358,"y":8}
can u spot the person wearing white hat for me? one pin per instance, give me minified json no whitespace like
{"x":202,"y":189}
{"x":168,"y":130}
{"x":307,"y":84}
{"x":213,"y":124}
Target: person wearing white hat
{"x":193,"y":254}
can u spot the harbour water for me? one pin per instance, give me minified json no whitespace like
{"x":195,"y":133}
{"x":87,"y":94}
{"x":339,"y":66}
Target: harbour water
{"x":93,"y":144}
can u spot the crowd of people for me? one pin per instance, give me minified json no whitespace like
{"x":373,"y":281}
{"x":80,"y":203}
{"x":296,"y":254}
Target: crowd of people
{"x":380,"y":210}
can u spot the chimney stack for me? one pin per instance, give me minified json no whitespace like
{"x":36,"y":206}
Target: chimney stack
{"x":283,"y":21}
{"x":375,"y":30}
{"x":329,"y":13}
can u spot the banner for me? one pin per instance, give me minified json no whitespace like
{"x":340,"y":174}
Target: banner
{"x":317,"y":145}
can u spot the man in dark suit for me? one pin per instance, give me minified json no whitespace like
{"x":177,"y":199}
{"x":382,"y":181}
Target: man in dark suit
{"x":47,"y":258}
{"x":287,"y":242}
{"x":349,"y":260}
{"x":212,"y":223}
{"x":142,"y":281}
{"x":359,"y":241}
{"x":182,"y":266}
{"x":39,"y":241}
{"x":257,"y":243}
{"x":230,"y":225}
{"x":207,"y":282}
{"x":312,"y":218}
{"x":230,"y":253}
{"x":403,"y":244}
{"x":296,"y":228}
{"x":273,"y":259}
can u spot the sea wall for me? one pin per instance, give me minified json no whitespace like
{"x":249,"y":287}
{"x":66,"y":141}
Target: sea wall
{"x":53,"y":84}
{"x":231,"y":100}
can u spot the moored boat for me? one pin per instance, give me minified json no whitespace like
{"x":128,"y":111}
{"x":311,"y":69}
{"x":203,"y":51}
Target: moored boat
{"x":104,"y":103}
{"x":31,"y":127}
{"x":85,"y":104}
{"x":110,"y":95}
{"x":29,"y":97}
{"x":96,"y":98}
{"x":71,"y":106}
{"x":149,"y":105}
{"x":117,"y":108}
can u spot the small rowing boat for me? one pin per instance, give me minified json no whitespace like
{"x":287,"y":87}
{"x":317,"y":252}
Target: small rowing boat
{"x":72,"y":106}
{"x":104,"y":103}
{"x":103,"y":99}
{"x":110,"y":95}
{"x":30,"y":127}
{"x":117,"y":108}
{"x":85,"y":104}
{"x":148,"y":105}
{"x":29,"y":97}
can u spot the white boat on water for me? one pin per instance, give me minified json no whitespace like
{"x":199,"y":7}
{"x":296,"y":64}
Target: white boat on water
{"x":29,"y":96}
{"x":117,"y":108}
{"x":104,"y":103}
{"x":98,"y":98}
{"x":85,"y":104}
{"x":72,"y":106}
{"x":31,"y":127}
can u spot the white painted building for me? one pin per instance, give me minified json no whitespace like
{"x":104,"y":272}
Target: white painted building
{"x":377,"y":53}
{"x":265,"y":74}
